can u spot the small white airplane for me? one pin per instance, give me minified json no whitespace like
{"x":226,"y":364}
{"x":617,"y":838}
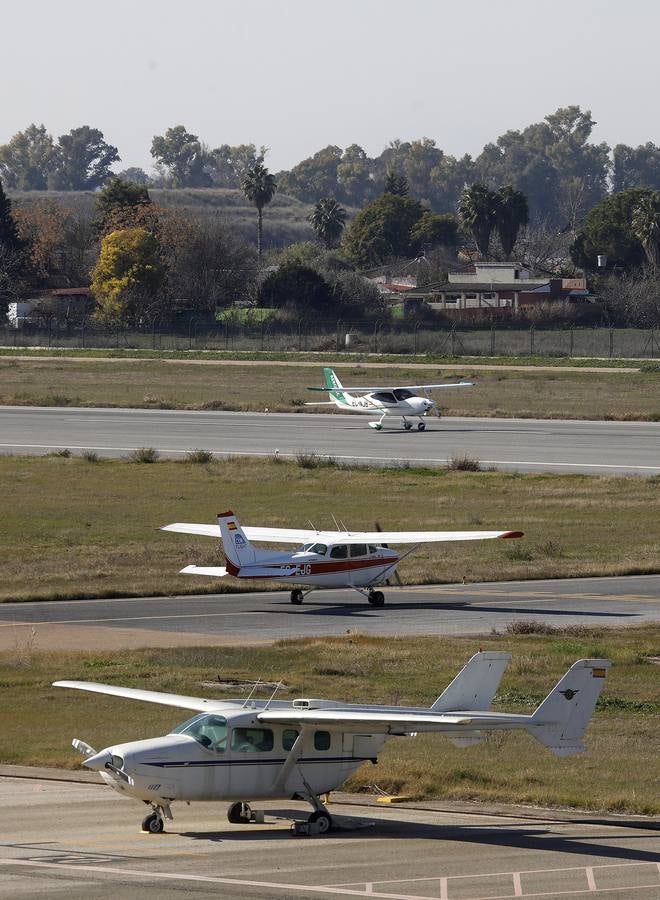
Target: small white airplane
{"x":399,"y":401}
{"x":330,"y":559}
{"x":246,"y":750}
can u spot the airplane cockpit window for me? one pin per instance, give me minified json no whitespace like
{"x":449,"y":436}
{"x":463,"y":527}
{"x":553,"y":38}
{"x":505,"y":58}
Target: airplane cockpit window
{"x":340,"y":551}
{"x":358,"y":549}
{"x":321,"y":549}
{"x":384,"y":396}
{"x":403,"y":394}
{"x":372,"y":550}
{"x":208,"y":730}
{"x":252,"y":740}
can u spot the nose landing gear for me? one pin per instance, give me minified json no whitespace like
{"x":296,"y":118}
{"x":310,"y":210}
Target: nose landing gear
{"x":153,"y":823}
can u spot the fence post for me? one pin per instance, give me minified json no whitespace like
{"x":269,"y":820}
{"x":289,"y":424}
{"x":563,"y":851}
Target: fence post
{"x":492,"y":341}
{"x":417,"y":327}
{"x":378,"y":324}
{"x":300,"y":321}
{"x":570,"y":342}
{"x":50,"y":328}
{"x":453,"y":340}
{"x":611,"y":343}
{"x":190,"y":337}
{"x":82,"y":335}
{"x":531,"y":340}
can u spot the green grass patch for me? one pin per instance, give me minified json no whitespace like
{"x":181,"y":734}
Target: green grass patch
{"x":71,"y":529}
{"x":37,"y":721}
{"x":172,"y":383}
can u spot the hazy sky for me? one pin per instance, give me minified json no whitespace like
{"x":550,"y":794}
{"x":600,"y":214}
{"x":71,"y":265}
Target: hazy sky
{"x":297,"y":75}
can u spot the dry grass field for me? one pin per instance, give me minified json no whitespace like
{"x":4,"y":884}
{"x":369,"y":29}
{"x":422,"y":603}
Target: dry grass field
{"x":73,"y":527}
{"x":620,"y":771}
{"x":170,"y":384}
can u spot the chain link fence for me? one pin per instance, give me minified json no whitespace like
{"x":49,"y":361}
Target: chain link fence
{"x":308,"y":335}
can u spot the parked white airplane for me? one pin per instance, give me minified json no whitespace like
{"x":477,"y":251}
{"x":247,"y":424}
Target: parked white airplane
{"x":240,"y":750}
{"x":330,"y":559}
{"x":399,"y":401}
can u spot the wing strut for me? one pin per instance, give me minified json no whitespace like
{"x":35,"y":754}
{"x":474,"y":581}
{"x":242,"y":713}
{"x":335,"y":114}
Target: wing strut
{"x":294,"y":755}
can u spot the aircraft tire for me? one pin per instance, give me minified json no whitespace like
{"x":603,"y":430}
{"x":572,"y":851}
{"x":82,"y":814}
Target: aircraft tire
{"x":153,"y":824}
{"x":421,"y":426}
{"x":322,"y":819}
{"x":376,"y":598}
{"x":239,"y":813}
{"x":297,"y":597}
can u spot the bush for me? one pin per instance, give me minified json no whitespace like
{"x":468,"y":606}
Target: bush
{"x":143,"y":455}
{"x":310,"y":459}
{"x":200,"y":456}
{"x":90,"y":456}
{"x":464,"y":463}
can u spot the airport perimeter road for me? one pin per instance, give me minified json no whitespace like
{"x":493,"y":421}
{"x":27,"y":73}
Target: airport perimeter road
{"x":525,"y":445}
{"x":214,"y":619}
{"x":82,"y":840}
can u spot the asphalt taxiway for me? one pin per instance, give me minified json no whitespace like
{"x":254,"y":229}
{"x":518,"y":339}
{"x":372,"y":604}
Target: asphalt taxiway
{"x":210,"y":619}
{"x":523,"y":445}
{"x":81,"y":840}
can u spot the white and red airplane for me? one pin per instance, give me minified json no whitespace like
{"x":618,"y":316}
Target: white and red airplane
{"x":360,"y":560}
{"x":396,"y":400}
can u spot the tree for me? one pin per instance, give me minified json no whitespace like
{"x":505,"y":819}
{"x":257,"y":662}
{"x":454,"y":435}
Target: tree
{"x":607,"y":229}
{"x":396,"y":184}
{"x":83,"y":160}
{"x":436,"y":230}
{"x":314,"y":177}
{"x":28,"y":159}
{"x":636,"y":167}
{"x":127,"y":277}
{"x":297,"y":286}
{"x":259,"y":187}
{"x":135,"y":174}
{"x":181,"y":157}
{"x":231,"y":164}
{"x":118,"y":194}
{"x":328,"y":221}
{"x":354,"y":175}
{"x":645,"y":223}
{"x":510,"y":215}
{"x":477,"y":210}
{"x":382,"y":230}
{"x":12,"y":254}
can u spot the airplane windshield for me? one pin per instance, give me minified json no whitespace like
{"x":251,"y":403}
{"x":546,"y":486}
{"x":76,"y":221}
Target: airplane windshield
{"x":403,"y":394}
{"x":208,"y":730}
{"x":384,"y":397}
{"x":321,"y":549}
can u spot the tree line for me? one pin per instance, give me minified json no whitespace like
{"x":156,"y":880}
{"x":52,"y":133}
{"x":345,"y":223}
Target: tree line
{"x":553,"y":162}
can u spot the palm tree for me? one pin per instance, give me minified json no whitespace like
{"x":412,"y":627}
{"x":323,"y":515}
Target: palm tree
{"x":646,"y":226}
{"x":477,"y":208}
{"x":259,"y":187}
{"x":396,"y":184}
{"x":511,"y":214}
{"x":328,"y":220}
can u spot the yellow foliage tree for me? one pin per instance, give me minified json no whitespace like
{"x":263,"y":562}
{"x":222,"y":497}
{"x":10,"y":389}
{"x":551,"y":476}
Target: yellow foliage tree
{"x":127,"y":277}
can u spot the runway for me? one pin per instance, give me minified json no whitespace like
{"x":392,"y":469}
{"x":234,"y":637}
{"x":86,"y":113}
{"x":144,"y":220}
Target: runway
{"x":82,"y":840}
{"x":524,"y":445}
{"x":214,"y":619}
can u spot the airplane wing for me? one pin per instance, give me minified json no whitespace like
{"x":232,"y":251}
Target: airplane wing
{"x":275,"y":535}
{"x":410,"y":537}
{"x":393,"y":387}
{"x":196,"y":703}
{"x":383,"y":721}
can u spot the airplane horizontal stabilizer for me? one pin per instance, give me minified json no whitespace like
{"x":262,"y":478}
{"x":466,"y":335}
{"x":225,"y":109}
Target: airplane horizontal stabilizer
{"x":212,"y":571}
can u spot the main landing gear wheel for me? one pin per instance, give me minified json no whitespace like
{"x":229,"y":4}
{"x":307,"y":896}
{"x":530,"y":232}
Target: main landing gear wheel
{"x":153,"y":823}
{"x":376,"y":598}
{"x":322,"y":819}
{"x":407,"y":425}
{"x":421,"y":426}
{"x":239,"y":813}
{"x":297,"y":597}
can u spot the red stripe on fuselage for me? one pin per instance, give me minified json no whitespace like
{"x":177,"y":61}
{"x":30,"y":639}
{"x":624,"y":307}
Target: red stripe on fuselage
{"x":316,"y":568}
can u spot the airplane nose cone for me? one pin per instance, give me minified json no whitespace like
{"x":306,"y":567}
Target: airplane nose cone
{"x":98,"y":761}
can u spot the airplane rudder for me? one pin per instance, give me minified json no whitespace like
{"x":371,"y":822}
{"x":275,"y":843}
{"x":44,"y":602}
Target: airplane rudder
{"x":237,"y":547}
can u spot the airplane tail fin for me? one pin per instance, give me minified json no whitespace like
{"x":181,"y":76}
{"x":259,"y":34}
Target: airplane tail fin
{"x":560,"y":721}
{"x":331,"y":381}
{"x":238,"y":550}
{"x":476,"y":684}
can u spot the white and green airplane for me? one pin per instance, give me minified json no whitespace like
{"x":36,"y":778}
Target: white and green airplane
{"x":400,"y":401}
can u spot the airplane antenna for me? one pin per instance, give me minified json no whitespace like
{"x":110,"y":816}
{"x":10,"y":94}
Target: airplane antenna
{"x":335,"y":521}
{"x":249,"y":696}
{"x":277,"y":687}
{"x":314,"y":528}
{"x":344,"y":528}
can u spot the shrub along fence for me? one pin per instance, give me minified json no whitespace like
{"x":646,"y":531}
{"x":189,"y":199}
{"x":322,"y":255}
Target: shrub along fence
{"x":340,"y":335}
